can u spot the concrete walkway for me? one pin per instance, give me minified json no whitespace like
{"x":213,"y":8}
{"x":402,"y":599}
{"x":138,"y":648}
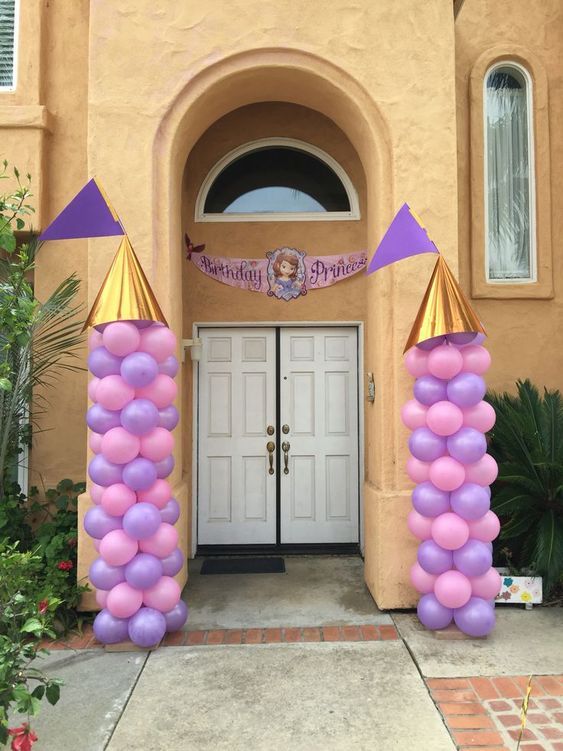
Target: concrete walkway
{"x":415,"y":693}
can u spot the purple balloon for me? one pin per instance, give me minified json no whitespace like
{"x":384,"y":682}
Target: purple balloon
{"x":475,"y":618}
{"x":100,"y":419}
{"x":110,"y":630}
{"x":432,"y":614}
{"x":139,"y":369}
{"x":426,"y":445}
{"x":168,"y":417}
{"x":433,"y":558}
{"x":428,"y":390}
{"x":102,"y":363}
{"x":98,"y":522}
{"x":140,"y":416}
{"x":164,"y":467}
{"x":171,"y":512}
{"x":471,"y":501}
{"x":466,"y":389}
{"x":143,"y":571}
{"x":429,"y":344}
{"x":169,"y":367}
{"x":147,"y":627}
{"x":139,"y":474}
{"x":176,"y":617}
{"x":429,"y":500}
{"x":474,"y":558}
{"x":467,"y":445}
{"x":173,"y":563}
{"x":104,"y":576}
{"x":141,"y":521}
{"x":465,"y":337}
{"x":103,"y":472}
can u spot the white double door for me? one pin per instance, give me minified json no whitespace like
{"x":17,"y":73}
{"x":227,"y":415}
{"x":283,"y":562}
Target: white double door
{"x":278,"y":441}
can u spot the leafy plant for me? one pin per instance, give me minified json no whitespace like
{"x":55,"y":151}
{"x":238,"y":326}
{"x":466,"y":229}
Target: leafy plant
{"x":37,"y":340}
{"x":527,"y":443}
{"x":24,"y":621}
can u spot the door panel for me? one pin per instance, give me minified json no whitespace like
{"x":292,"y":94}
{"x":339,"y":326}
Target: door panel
{"x":237,"y":392}
{"x":319,"y":402}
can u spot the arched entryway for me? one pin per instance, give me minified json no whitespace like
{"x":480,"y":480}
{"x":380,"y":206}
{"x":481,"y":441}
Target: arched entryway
{"x":293,"y":78}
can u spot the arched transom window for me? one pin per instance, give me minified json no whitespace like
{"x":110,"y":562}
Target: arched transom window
{"x":509,"y":177}
{"x":277,"y":179}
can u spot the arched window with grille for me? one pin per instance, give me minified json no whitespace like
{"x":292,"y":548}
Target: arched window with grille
{"x":8,"y":44}
{"x":509,"y":175}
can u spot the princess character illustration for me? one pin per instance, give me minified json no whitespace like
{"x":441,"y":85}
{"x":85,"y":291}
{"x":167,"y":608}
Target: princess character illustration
{"x":286,"y":273}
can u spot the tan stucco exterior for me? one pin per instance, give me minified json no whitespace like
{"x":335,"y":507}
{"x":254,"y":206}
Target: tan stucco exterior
{"x":148,"y":97}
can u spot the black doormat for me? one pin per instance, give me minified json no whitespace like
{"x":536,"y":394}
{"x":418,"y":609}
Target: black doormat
{"x":243,"y":566}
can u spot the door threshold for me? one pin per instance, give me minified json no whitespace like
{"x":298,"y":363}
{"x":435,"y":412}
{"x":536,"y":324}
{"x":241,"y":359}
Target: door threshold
{"x":346,"y":548}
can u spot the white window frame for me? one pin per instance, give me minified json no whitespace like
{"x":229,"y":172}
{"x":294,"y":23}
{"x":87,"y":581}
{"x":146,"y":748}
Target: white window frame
{"x":293,"y":216}
{"x":16,"y":49}
{"x":532,"y":178}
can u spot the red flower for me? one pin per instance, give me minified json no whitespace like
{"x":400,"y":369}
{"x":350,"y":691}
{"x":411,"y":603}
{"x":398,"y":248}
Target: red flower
{"x":43,"y":606}
{"x":65,"y":565}
{"x":24,"y":738}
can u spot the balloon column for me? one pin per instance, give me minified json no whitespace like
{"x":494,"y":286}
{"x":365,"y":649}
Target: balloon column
{"x":132,"y":523}
{"x":449,"y":463}
{"x":131,"y":358}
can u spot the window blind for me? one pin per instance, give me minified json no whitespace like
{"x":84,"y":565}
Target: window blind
{"x":7,"y":43}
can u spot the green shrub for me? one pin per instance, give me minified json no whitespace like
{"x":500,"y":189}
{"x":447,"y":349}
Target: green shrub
{"x":527,"y":443}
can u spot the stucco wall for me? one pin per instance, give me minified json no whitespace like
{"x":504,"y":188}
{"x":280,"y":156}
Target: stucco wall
{"x":525,"y":335}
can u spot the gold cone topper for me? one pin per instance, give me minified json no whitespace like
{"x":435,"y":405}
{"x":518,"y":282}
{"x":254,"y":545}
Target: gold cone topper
{"x":125,"y":294}
{"x":444,"y":309}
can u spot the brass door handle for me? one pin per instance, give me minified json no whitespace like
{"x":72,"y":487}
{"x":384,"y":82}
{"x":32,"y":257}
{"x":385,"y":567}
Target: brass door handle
{"x":285,"y":449}
{"x":271,"y":447}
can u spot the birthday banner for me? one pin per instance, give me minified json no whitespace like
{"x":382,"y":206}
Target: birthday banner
{"x":285,"y":273}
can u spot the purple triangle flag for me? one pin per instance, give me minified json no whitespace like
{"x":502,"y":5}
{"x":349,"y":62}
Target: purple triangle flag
{"x":405,"y":237}
{"x":89,"y":214}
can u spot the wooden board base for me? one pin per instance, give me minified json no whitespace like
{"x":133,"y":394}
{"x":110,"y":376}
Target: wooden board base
{"x":452,"y":633}
{"x":129,"y":646}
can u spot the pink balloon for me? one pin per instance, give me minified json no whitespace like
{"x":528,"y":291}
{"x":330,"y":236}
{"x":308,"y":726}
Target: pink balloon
{"x":419,"y":525}
{"x":418,"y":471}
{"x":416,"y":362}
{"x":444,"y":418}
{"x":452,"y":589}
{"x":123,"y":600}
{"x":447,"y":474}
{"x":413,"y":413}
{"x":481,"y":417}
{"x":117,"y":499}
{"x":158,"y":341}
{"x":486,"y":528}
{"x":445,"y":361}
{"x":114,"y":393}
{"x":162,"y":391}
{"x":476,"y":359}
{"x":157,"y":444}
{"x":117,"y":548}
{"x":96,"y":493}
{"x":159,"y":494}
{"x":450,"y":532}
{"x":421,"y":580}
{"x":163,"y":595}
{"x":162,"y":543}
{"x":487,"y":585}
{"x":119,"y":446}
{"x":93,"y":384}
{"x":94,"y":340}
{"x":95,"y":442}
{"x":121,"y":338}
{"x":483,"y":472}
{"x":101,"y":597}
